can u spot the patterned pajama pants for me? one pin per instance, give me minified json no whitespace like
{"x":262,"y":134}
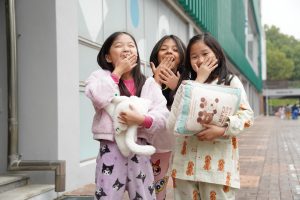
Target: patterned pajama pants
{"x":202,"y":191}
{"x":160,"y":164}
{"x":116,"y":173}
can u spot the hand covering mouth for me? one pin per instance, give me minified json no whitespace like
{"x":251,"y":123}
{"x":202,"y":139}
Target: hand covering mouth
{"x":125,"y":55}
{"x":171,"y":56}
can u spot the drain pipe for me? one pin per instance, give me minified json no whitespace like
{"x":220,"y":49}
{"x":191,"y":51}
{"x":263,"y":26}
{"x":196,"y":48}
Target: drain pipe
{"x":14,"y":158}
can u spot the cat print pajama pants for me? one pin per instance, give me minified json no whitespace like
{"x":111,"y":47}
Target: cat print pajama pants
{"x":194,"y":190}
{"x":116,"y":173}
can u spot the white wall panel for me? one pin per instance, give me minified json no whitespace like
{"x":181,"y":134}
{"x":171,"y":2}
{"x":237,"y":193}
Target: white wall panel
{"x":171,"y":23}
{"x":115,"y":19}
{"x":90,"y":19}
{"x":182,"y":30}
{"x":136,"y":25}
{"x":163,"y":20}
{"x":87,"y":61}
{"x":151,"y":23}
{"x":87,"y":64}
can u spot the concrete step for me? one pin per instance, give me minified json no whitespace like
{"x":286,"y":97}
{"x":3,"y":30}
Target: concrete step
{"x":11,"y":181}
{"x":30,"y":192}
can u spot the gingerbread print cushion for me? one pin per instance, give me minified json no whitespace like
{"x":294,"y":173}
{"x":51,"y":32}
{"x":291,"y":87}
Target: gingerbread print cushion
{"x":198,"y":104}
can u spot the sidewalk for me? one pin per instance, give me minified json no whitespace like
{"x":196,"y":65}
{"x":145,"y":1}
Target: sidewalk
{"x":269,"y":162}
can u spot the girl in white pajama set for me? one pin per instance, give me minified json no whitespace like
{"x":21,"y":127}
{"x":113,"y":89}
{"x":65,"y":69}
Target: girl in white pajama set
{"x":203,"y":167}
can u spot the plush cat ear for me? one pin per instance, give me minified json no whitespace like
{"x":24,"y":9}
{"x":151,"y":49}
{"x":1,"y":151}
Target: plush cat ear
{"x":118,"y":99}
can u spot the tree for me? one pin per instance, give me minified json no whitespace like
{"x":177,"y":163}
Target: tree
{"x":283,"y":55}
{"x":296,"y":58}
{"x":279,"y":67}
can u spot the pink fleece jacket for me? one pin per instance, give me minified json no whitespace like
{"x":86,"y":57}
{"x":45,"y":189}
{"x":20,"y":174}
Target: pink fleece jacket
{"x":101,"y":88}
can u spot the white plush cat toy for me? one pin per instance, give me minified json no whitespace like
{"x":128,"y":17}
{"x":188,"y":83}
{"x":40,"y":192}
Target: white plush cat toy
{"x":126,"y":136}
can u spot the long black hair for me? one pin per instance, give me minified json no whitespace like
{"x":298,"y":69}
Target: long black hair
{"x":168,"y":93}
{"x":138,"y":77}
{"x":222,"y":72}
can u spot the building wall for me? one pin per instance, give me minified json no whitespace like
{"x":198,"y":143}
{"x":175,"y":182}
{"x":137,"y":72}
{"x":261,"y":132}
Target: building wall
{"x":228,"y":21}
{"x":47,"y":57}
{"x":3,"y":90}
{"x":37,"y":81}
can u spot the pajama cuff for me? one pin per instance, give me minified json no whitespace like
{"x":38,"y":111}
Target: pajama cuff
{"x":115,"y":78}
{"x":147,"y":122}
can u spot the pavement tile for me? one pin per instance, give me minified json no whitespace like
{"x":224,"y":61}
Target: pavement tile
{"x":276,"y":156}
{"x":269,"y":162}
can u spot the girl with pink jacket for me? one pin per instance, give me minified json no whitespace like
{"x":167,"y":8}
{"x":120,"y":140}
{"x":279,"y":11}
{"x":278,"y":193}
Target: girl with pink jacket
{"x":120,"y":75}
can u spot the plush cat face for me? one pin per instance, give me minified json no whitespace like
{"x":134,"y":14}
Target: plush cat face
{"x":126,"y":136}
{"x":123,"y":103}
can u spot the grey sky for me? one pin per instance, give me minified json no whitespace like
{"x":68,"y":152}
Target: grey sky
{"x":285,"y":14}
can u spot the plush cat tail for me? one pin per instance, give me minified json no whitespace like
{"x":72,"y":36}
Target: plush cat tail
{"x":120,"y":140}
{"x":134,"y":147}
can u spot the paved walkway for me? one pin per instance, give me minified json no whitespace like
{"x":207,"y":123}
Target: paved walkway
{"x":269,"y":161}
{"x":269,"y":158}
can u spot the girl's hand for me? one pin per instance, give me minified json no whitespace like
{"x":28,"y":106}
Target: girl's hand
{"x":211,"y":132}
{"x":131,"y":117}
{"x":156,"y":72}
{"x":125,"y":65}
{"x":207,"y":66}
{"x":167,"y":63}
{"x":168,"y":78}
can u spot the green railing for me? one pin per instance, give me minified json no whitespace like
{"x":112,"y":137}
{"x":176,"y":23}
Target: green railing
{"x":225,"y":20}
